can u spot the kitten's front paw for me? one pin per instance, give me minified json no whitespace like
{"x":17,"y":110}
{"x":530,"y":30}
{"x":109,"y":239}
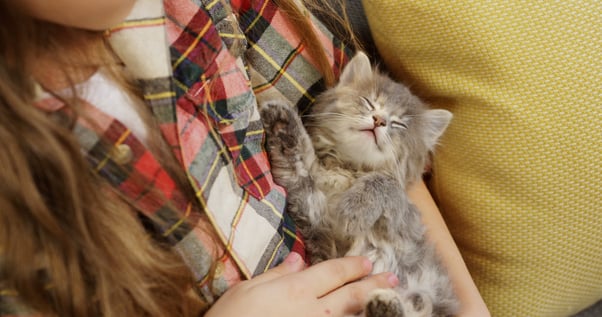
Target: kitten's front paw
{"x":281,"y":126}
{"x":275,"y":117}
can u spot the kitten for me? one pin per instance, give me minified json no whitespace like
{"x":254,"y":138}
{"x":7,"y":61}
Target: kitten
{"x":346,"y":176}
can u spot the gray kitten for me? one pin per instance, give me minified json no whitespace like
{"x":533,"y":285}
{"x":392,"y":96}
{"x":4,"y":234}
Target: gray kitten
{"x":367,"y":139}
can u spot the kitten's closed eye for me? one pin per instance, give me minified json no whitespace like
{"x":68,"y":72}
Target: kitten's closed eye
{"x":368,"y":104}
{"x":399,"y":125}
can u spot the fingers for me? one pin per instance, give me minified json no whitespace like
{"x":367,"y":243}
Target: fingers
{"x":291,"y":264}
{"x":351,"y":298}
{"x":330,"y":275}
{"x":330,"y":287}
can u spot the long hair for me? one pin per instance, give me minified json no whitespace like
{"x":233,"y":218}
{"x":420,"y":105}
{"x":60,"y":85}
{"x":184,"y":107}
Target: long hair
{"x":70,"y":246}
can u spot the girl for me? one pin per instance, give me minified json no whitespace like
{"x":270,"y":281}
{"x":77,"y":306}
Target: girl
{"x":133,"y":180}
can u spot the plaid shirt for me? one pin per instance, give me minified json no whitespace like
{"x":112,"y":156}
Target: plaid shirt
{"x":204,"y":69}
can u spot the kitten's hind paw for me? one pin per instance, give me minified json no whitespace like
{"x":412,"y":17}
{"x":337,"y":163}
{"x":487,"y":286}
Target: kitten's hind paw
{"x":384,"y":303}
{"x":417,"y":304}
{"x":389,"y":303}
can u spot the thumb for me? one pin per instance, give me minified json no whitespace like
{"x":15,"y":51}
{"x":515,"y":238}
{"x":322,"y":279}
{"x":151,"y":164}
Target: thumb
{"x":291,"y":264}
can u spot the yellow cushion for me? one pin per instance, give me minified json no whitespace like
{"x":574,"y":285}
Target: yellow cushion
{"x":518,"y":175}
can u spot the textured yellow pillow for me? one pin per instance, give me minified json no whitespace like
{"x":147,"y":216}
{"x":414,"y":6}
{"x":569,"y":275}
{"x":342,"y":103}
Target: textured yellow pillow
{"x":518,"y":175}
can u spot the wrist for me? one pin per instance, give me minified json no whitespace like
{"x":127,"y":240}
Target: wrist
{"x":481,"y":311}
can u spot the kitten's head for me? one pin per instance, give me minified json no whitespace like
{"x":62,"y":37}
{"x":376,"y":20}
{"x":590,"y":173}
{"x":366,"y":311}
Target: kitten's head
{"x":368,"y":121}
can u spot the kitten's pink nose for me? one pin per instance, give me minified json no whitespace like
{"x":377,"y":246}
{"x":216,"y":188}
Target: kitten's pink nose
{"x":379,"y":121}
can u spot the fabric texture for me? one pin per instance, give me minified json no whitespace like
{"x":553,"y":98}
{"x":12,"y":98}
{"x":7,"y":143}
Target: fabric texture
{"x":518,"y":175}
{"x":208,"y":109}
{"x":210,"y":113}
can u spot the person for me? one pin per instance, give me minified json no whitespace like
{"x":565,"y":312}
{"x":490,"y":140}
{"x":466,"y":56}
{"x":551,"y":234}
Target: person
{"x":134,"y":181}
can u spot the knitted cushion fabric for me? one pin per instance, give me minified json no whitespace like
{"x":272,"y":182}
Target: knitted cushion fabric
{"x":518,"y":174}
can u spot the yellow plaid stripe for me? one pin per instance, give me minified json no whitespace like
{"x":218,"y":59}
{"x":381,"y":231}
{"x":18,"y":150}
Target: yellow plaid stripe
{"x":294,"y":82}
{"x":137,"y":24}
{"x":120,"y":140}
{"x":194,"y":44}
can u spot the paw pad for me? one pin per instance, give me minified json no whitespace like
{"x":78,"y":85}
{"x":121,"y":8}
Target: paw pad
{"x":384,"y":303}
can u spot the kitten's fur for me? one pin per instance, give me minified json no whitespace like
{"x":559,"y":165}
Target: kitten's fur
{"x":366,"y":140}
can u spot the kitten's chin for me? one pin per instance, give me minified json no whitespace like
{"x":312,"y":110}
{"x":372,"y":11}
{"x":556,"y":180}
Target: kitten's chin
{"x":374,"y":161}
{"x":366,"y":155}
{"x":361,"y":149}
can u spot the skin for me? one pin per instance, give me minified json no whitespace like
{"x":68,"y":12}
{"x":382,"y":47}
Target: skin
{"x":91,"y":14}
{"x":332,"y":288}
{"x":472,"y":303}
{"x":291,"y":290}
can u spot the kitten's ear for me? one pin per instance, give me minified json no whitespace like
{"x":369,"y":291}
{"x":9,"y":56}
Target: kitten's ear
{"x":436,"y":123}
{"x":358,"y":67}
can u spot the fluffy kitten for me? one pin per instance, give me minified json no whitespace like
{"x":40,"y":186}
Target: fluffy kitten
{"x":367,"y":139}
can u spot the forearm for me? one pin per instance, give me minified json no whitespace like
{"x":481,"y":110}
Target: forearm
{"x":472,"y":303}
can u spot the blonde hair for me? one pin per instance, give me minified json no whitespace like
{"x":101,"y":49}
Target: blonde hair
{"x":61,"y":218}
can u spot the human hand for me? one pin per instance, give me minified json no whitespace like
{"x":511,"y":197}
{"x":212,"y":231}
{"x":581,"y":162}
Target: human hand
{"x":330,"y":288}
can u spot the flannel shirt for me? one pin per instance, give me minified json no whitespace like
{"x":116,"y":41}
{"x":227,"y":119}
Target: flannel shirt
{"x":203,"y":69}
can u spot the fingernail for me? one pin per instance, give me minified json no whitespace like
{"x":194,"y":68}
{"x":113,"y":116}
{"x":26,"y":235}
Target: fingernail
{"x":292,"y":258}
{"x":368,"y":265}
{"x":392,"y":279}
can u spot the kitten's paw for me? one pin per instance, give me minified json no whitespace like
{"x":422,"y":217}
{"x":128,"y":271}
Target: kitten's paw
{"x":418,"y":304}
{"x":282,"y":126}
{"x":384,"y":303}
{"x":276,"y":117}
{"x":389,"y":303}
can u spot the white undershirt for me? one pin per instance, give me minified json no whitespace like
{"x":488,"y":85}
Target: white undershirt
{"x":110,"y":98}
{"x":107,"y":96}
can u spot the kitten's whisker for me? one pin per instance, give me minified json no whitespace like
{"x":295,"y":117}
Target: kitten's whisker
{"x":332,"y":114}
{"x":334,"y":119}
{"x":313,"y":125}
{"x":323,"y":114}
{"x":325,"y":120}
{"x":396,"y":165}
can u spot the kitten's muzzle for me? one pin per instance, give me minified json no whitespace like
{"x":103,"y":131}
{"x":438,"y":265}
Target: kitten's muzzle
{"x":379,"y":121}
